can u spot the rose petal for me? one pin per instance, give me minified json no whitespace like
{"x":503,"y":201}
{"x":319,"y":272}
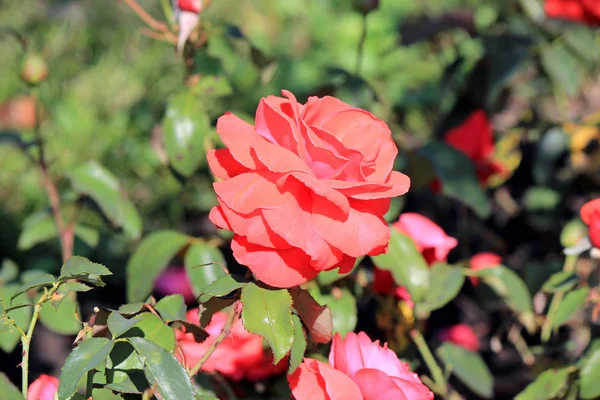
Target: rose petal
{"x":278,"y":268}
{"x":315,"y":380}
{"x":223,"y":165}
{"x":357,"y":235}
{"x":238,"y":136}
{"x":251,"y":191}
{"x":376,"y":385}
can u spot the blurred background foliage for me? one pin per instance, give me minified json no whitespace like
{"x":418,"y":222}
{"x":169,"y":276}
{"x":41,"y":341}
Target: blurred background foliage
{"x":117,"y":97}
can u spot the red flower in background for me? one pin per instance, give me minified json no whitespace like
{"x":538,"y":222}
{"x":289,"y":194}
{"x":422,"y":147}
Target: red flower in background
{"x":586,"y":11}
{"x":43,"y":388}
{"x":474,"y":138}
{"x":194,"y":6}
{"x":462,"y":335}
{"x":428,"y":237}
{"x":240,"y":356}
{"x":174,"y":281}
{"x":359,"y":369}
{"x":590,"y":214}
{"x":305,"y":189}
{"x":482,"y":261}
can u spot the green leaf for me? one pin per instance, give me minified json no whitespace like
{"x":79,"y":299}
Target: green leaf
{"x":105,"y":394}
{"x":457,"y":173}
{"x":185,"y":126}
{"x":87,"y":235}
{"x":407,"y":265}
{"x":154,"y":329}
{"x":40,"y":280}
{"x":564,"y":69}
{"x":171,"y":308}
{"x":37,"y":228}
{"x":83,"y":269}
{"x":222,"y":287}
{"x":8,"y":271}
{"x":589,"y":376}
{"x":132,"y":308}
{"x":149,"y":260}
{"x":124,"y":370}
{"x":199,"y":271}
{"x":82,"y":359}
{"x":199,"y":334}
{"x":8,"y":390}
{"x":468,"y":367}
{"x":582,"y":40}
{"x":102,"y":186}
{"x":344,"y":312}
{"x":163,"y":370}
{"x":64,"y":319}
{"x":317,"y":318}
{"x":118,"y":325}
{"x":548,"y":385}
{"x":64,"y":290}
{"x":299,"y":346}
{"x":445,"y":283}
{"x":508,"y":285}
{"x":560,"y":281}
{"x":9,"y":336}
{"x":268,"y":313}
{"x":572,"y":303}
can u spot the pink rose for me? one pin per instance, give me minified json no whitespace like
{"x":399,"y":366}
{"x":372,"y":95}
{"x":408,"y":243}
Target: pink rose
{"x":462,"y":335}
{"x":43,"y":388}
{"x":240,"y":356}
{"x":360,"y":370}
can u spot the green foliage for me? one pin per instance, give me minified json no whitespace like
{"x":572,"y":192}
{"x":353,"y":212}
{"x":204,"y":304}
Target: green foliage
{"x":9,"y":391}
{"x":548,"y":385}
{"x":469,"y":367}
{"x":149,"y":260}
{"x":406,"y":264}
{"x":445,"y":283}
{"x":204,"y":265}
{"x":268,"y":313}
{"x":573,"y":302}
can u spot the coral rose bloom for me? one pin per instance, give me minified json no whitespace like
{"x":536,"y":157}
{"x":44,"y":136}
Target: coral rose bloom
{"x":590,"y":214}
{"x":304,"y":189}
{"x":360,"y":369}
{"x":240,"y":356}
{"x":190,"y":5}
{"x":43,"y":388}
{"x":462,"y":335}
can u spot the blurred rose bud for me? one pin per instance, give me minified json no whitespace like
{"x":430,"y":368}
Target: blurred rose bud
{"x":18,"y":113}
{"x":43,"y":388}
{"x":462,"y":335}
{"x":572,"y":233}
{"x":194,"y":6}
{"x":34,"y":69}
{"x":174,"y":281}
{"x":481,"y":261}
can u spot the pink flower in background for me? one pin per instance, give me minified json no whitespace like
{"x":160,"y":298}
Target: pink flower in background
{"x":174,"y":281}
{"x":359,"y":369}
{"x":429,"y":238}
{"x":194,"y":6}
{"x":240,"y":356}
{"x":482,"y":261}
{"x":462,"y":335}
{"x":43,"y":388}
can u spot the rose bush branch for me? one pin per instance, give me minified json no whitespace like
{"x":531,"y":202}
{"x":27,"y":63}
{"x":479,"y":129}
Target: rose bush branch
{"x":440,"y":386}
{"x":232,"y":318}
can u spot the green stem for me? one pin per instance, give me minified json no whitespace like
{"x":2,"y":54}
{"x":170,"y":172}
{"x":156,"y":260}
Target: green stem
{"x":434,"y":368}
{"x":234,"y":314}
{"x":168,"y":11}
{"x":569,"y":266}
{"x":361,"y":46}
{"x":26,"y":345}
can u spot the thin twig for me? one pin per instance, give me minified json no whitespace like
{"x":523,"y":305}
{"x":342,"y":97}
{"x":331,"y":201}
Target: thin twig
{"x":147,"y":18}
{"x":232,"y":318}
{"x":514,"y":335}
